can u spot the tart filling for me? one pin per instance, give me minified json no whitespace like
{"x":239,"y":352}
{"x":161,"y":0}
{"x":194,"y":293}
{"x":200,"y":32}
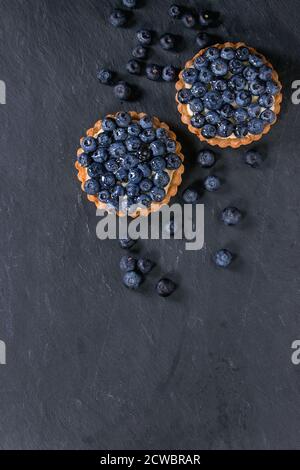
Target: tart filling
{"x":229,"y":95}
{"x":130,"y":163}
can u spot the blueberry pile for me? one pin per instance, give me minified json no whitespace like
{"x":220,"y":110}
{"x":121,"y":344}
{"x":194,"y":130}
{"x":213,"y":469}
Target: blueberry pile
{"x":229,"y":92}
{"x":129,"y":163}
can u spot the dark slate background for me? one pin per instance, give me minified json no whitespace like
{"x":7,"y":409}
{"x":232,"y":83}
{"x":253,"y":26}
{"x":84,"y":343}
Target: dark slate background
{"x":89,"y":364}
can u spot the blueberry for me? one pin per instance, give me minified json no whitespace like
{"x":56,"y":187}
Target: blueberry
{"x":127,"y":243}
{"x":196,"y":105}
{"x":144,"y":37}
{"x":173,"y":161}
{"x":117,"y":150}
{"x":147,"y":136}
{"x":91,"y":187}
{"x":175,"y":11}
{"x":243,"y":98}
{"x":132,"y":280}
{"x":201,"y":62}
{"x":184,"y":95}
{"x":111,"y":165}
{"x":145,"y":265}
{"x":190,"y":196}
{"x":134,"y":129}
{"x":188,"y":20}
{"x":231,"y":216}
{"x":205,"y":75}
{"x":212,"y":117}
{"x":250,"y":73}
{"x":122,"y":175}
{"x":135,"y":175}
{"x":153,"y":72}
{"x":171,"y":145}
{"x":122,"y":91}
{"x":228,"y":96}
{"x":165,"y":287}
{"x":161,"y":179}
{"x":212,"y":53}
{"x":129,"y":3}
{"x":105,"y":76}
{"x":242,"y":53}
{"x":144,"y":154}
{"x":167,"y":42}
{"x":140,"y":52}
{"x":158,"y":164}
{"x":203,"y":39}
{"x":169,"y":73}
{"x":241,"y":115}
{"x":268,"y":116}
{"x":208,"y":18}
{"x":133,"y":143}
{"x":256,"y":126}
{"x":219,"y":84}
{"x":237,"y":82}
{"x":254,"y":110}
{"x":228,"y":53}
{"x":219,"y":67}
{"x":84,"y":160}
{"x":223,"y":258}
{"x":272,"y":87}
{"x":236,"y":66}
{"x":209,"y":131}
{"x":253,"y":158}
{"x":144,"y":200}
{"x":132,"y":189}
{"x":101,"y":155}
{"x":265,"y":73}
{"x":118,"y":18}
{"x":197,"y":120}
{"x":88,"y":144}
{"x":256,"y":61}
{"x":241,"y":130}
{"x":130,"y":161}
{"x":157,"y":194}
{"x":161,"y":133}
{"x":108,"y":124}
{"x":145,"y":185}
{"x":212,"y":183}
{"x":198,"y":89}
{"x":127,"y":263}
{"x":266,"y":100}
{"x":206,"y":158}
{"x":190,"y":75}
{"x":104,"y":139}
{"x":257,"y":87}
{"x":104,"y":196}
{"x":95,"y":170}
{"x":108,"y":180}
{"x":158,"y":148}
{"x":213,"y":100}
{"x":120,"y":134}
{"x":134,"y":67}
{"x":145,"y":169}
{"x":226,"y":112}
{"x":225,"y":128}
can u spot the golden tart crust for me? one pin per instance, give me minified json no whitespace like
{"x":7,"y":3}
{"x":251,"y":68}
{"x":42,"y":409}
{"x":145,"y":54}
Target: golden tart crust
{"x":175,"y":176}
{"x":229,"y":141}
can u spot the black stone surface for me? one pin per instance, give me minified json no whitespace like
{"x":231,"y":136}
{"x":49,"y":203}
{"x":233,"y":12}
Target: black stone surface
{"x":89,"y":364}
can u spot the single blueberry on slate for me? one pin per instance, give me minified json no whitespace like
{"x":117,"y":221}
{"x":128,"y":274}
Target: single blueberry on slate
{"x":118,"y":18}
{"x":190,"y":196}
{"x":188,"y":20}
{"x":134,"y":67}
{"x":153,"y":72}
{"x":165,"y":287}
{"x":132,"y":280}
{"x":123,"y":91}
{"x":253,"y":158}
{"x":206,"y":158}
{"x":140,"y":52}
{"x":130,"y":3}
{"x":175,"y":11}
{"x":203,"y":40}
{"x":105,"y":76}
{"x":169,"y":73}
{"x":167,"y":42}
{"x":223,"y":258}
{"x":231,"y":216}
{"x":212,"y":183}
{"x":127,"y":243}
{"x":144,"y":37}
{"x":208,"y":18}
{"x":127,"y":263}
{"x":145,"y":265}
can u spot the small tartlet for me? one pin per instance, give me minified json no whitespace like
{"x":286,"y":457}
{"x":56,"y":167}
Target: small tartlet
{"x":175,"y":175}
{"x":233,"y":142}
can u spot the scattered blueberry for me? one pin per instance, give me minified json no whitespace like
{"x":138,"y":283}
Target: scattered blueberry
{"x":145,"y":265}
{"x":118,"y":18}
{"x":127,"y":243}
{"x":140,"y":52}
{"x":123,"y":91}
{"x":105,"y":76}
{"x":190,"y":196}
{"x":169,"y":73}
{"x":175,"y":11}
{"x":208,"y":18}
{"x":129,"y":3}
{"x":188,"y":20}
{"x":167,"y":42}
{"x":127,"y":263}
{"x":206,"y":158}
{"x":212,"y":183}
{"x":144,"y":37}
{"x":153,"y":72}
{"x":203,"y":40}
{"x":231,"y":216}
{"x":223,"y":258}
{"x":165,"y":287}
{"x":253,"y":158}
{"x":134,"y":67}
{"x":132,"y":280}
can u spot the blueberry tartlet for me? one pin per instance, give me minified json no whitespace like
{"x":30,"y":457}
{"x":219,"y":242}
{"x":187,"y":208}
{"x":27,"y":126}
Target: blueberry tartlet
{"x":229,"y":95}
{"x":130,"y":163}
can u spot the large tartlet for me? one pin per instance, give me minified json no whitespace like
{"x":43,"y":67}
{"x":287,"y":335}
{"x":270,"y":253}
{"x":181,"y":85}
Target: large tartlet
{"x":174,"y":174}
{"x":238,"y":136}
